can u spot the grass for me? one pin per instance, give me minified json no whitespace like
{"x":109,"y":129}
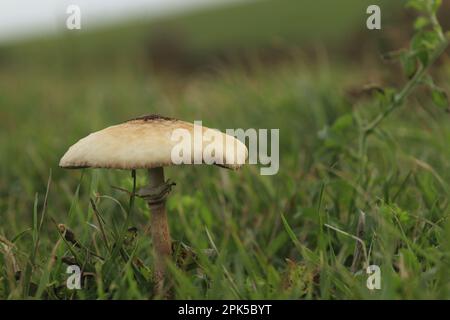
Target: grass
{"x":239,"y":235}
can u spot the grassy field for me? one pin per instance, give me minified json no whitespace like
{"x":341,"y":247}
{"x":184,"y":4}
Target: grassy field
{"x":240,"y":235}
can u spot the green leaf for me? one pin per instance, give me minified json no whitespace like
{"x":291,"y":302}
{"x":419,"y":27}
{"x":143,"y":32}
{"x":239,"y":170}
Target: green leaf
{"x":439,"y":97}
{"x":423,"y":57}
{"x":421,"y":22}
{"x":409,"y":62}
{"x":343,"y":122}
{"x":427,"y":40}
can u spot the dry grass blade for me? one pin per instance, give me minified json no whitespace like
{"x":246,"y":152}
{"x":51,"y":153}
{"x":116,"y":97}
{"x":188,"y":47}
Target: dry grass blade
{"x":100,"y":223}
{"x":363,"y":245}
{"x":360,"y":231}
{"x":7,"y":249}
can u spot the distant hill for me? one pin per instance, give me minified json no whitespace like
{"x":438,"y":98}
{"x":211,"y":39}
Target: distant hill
{"x":203,"y":35}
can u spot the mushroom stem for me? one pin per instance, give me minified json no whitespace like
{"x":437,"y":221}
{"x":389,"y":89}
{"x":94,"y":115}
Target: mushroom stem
{"x":159,"y":228}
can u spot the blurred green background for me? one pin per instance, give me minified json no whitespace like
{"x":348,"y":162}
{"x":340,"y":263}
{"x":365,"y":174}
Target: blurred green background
{"x":281,"y":64}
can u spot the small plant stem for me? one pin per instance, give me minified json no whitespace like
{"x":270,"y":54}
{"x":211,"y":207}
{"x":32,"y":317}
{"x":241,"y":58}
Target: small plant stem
{"x":409,"y":86}
{"x":159,"y":230}
{"x":435,"y":23}
{"x":398,"y":100}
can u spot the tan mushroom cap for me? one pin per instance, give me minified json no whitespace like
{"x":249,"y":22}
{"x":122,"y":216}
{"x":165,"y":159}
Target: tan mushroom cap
{"x":147,"y":142}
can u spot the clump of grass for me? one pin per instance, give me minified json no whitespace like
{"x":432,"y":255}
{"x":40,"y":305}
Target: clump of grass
{"x":297,"y":235}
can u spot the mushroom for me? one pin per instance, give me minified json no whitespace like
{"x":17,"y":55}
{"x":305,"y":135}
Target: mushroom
{"x":147,"y":143}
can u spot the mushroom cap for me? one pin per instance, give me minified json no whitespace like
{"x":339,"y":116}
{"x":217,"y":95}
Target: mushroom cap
{"x":147,"y":142}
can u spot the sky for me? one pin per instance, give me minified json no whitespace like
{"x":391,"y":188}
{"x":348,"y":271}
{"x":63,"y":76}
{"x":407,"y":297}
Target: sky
{"x":21,"y":19}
